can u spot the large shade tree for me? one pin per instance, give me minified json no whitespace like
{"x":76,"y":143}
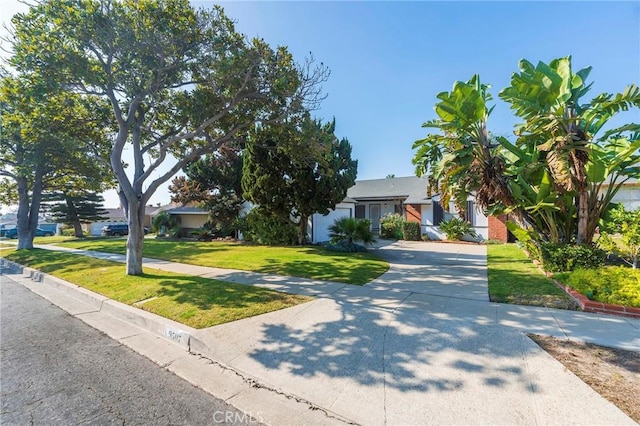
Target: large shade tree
{"x":48,"y":139}
{"x":181,"y":82}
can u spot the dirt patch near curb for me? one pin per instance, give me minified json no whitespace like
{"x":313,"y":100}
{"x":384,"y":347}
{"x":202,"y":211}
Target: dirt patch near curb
{"x":613,"y":373}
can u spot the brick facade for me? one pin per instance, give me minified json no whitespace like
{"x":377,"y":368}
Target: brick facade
{"x":413,"y":213}
{"x":497,"y":228}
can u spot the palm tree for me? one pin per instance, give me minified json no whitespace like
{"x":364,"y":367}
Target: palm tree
{"x":351,"y":230}
{"x":548,"y":98}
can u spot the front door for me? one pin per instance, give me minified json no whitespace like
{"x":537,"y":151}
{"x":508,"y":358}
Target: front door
{"x":374,"y":215}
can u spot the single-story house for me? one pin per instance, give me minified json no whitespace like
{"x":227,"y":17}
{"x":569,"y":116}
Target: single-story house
{"x":373,"y":199}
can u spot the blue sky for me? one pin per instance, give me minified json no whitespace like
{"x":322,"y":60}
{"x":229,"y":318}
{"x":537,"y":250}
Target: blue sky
{"x":388,"y":60}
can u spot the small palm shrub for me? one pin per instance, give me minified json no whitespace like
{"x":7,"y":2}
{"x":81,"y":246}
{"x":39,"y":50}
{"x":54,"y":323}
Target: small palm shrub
{"x":455,"y":228}
{"x":346,"y":231}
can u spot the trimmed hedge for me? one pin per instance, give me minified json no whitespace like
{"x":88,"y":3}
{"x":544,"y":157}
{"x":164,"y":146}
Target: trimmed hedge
{"x":411,"y":231}
{"x":569,"y":257}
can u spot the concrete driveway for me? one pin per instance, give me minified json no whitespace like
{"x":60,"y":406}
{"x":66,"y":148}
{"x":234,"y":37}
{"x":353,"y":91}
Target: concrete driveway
{"x":419,"y":345}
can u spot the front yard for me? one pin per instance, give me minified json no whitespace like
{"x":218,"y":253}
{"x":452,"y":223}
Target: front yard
{"x":193,"y":301}
{"x":305,"y":261}
{"x":513,"y":278}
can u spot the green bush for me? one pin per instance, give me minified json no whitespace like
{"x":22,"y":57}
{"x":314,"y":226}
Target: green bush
{"x":612,"y":284}
{"x":70,"y":232}
{"x":569,"y":257}
{"x":455,"y":228}
{"x":345,"y":247}
{"x":269,"y":230}
{"x":411,"y":231}
{"x":391,"y":226}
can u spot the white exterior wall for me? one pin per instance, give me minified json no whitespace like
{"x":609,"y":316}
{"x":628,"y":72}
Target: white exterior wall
{"x":481,"y":222}
{"x":320,"y":224}
{"x":629,"y":196}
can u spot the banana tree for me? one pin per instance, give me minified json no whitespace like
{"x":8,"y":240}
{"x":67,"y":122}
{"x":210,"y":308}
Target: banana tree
{"x":459,"y":157}
{"x":548,"y":98}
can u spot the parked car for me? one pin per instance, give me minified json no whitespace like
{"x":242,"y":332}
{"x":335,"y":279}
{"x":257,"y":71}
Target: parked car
{"x":117,"y":230}
{"x":13,"y":233}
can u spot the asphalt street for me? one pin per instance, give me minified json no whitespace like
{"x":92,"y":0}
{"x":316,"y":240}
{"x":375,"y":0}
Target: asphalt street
{"x":55,"y":369}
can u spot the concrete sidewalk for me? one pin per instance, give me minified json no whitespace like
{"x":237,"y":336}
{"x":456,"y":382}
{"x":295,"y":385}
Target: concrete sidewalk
{"x":421,"y":344}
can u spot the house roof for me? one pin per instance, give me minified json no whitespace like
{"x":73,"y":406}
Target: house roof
{"x":187,"y":210}
{"x":411,"y":189}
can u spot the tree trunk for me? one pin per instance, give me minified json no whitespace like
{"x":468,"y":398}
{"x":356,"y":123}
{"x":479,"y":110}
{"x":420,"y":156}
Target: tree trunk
{"x":28,"y":208}
{"x":135,"y":239}
{"x":583,"y":217}
{"x":302,"y":230}
{"x":77,"y":229}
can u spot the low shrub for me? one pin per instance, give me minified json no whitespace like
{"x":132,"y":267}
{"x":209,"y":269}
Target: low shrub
{"x":344,"y":246}
{"x":351,"y":230}
{"x":391,"y":226}
{"x":411,"y":231}
{"x":455,"y":228}
{"x":569,"y":257}
{"x":269,"y":230}
{"x":612,"y":284}
{"x":70,"y":232}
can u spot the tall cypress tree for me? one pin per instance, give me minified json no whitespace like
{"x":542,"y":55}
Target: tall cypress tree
{"x":293,"y":171}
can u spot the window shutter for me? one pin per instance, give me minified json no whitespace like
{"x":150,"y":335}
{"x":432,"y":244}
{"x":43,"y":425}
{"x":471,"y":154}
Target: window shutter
{"x":438,"y":213}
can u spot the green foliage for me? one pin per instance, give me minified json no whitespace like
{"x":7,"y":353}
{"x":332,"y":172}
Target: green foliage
{"x":559,"y":175}
{"x":164,"y":222}
{"x":411,"y":231}
{"x":262,"y":228}
{"x":391,"y":226}
{"x":296,"y":169}
{"x":351,"y":230}
{"x":569,"y":257}
{"x":74,"y":209}
{"x":455,"y":229}
{"x":343,"y":246}
{"x":613,"y":284}
{"x":627,"y":224}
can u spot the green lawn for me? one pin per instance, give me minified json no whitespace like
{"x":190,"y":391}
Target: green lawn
{"x":513,"y":278}
{"x":306,"y":262}
{"x":619,"y":285}
{"x":193,"y":301}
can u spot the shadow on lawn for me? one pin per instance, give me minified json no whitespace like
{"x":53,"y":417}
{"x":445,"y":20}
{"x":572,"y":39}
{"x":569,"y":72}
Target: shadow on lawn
{"x":207,"y":294}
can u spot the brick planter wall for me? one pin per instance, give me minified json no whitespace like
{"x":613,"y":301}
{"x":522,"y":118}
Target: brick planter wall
{"x":599,"y":307}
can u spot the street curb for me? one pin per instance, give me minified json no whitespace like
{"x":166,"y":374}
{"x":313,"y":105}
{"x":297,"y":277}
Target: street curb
{"x":182,"y":336}
{"x":169,"y":330}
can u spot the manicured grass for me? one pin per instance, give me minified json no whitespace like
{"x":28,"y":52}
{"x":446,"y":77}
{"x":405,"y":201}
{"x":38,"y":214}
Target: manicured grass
{"x":612,"y":284}
{"x":513,"y":278}
{"x":306,"y":262}
{"x":194,"y":301}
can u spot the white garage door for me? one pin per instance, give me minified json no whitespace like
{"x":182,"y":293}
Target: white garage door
{"x":321,"y":224}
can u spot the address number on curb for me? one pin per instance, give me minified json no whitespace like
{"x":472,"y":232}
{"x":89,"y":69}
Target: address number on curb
{"x":177,"y":336}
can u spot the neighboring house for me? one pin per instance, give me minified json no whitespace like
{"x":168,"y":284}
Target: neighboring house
{"x":190,"y":217}
{"x":628,"y":194}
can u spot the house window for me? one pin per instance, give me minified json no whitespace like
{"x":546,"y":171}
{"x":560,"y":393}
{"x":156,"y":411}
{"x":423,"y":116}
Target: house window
{"x":360,"y":212}
{"x":438,"y":213}
{"x":397,"y":209}
{"x":469,"y":215}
